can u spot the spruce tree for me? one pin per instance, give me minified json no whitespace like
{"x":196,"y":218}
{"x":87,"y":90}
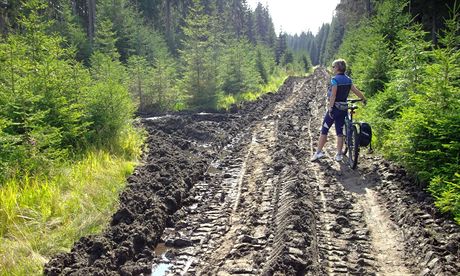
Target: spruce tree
{"x":238,"y":70}
{"x":138,"y":70}
{"x":41,"y":107}
{"x":164,"y":83}
{"x":105,"y":39}
{"x":281,"y":48}
{"x":199,"y":58}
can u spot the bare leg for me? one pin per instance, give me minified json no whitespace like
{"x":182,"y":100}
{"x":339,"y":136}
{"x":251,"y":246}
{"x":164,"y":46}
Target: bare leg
{"x":322,"y":141}
{"x":339,"y":144}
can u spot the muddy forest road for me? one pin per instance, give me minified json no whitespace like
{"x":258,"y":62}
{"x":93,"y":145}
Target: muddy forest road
{"x":236,"y":194}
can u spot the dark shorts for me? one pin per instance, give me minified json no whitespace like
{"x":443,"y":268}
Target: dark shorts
{"x":338,"y":118}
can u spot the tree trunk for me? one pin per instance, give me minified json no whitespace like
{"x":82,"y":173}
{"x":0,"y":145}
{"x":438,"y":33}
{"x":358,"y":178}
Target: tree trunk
{"x":434,"y":37}
{"x":91,"y":19}
{"x":3,"y":17}
{"x":368,"y":8}
{"x":73,"y":4}
{"x":168,"y":31}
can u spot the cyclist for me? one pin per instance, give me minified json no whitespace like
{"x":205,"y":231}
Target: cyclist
{"x":337,"y":95}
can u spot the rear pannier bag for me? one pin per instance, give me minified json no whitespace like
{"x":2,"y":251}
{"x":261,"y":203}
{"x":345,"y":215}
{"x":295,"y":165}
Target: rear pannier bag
{"x":365,"y":134}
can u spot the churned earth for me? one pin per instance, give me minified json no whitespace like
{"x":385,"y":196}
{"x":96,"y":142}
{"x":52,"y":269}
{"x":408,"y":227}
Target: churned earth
{"x":236,"y":193}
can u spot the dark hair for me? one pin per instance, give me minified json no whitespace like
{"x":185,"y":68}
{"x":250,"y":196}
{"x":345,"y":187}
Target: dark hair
{"x":340,"y":64}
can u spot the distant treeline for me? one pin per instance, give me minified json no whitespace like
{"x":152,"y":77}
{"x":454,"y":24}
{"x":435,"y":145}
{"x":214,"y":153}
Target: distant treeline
{"x":323,"y":46}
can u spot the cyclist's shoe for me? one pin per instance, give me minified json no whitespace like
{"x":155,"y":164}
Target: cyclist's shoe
{"x":317,"y":156}
{"x":339,"y":157}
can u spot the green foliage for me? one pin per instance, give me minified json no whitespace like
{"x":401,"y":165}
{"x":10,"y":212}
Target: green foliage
{"x":281,"y":48}
{"x":426,"y":135}
{"x":261,"y":68}
{"x":288,"y":58}
{"x":164,"y":85}
{"x":238,"y":68}
{"x":149,"y":44}
{"x":409,"y":64}
{"x":70,"y":27}
{"x":263,"y":27}
{"x":370,"y":47}
{"x":368,"y":57}
{"x":109,"y":105}
{"x":447,"y":194}
{"x":380,"y":112}
{"x":414,"y":94}
{"x":154,"y":87}
{"x":139,"y":71}
{"x":416,"y":117}
{"x":117,"y":21}
{"x":306,"y":62}
{"x":390,"y":19}
{"x":334,"y":39}
{"x":201,"y":59}
{"x":41,"y":109}
{"x":105,"y":39}
{"x":265,"y":63}
{"x":411,"y":58}
{"x":225,"y":101}
{"x":432,"y":121}
{"x":275,"y":81}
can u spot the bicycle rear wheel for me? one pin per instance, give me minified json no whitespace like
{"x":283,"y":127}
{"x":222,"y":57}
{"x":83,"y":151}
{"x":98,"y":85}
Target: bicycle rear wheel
{"x":353,"y":148}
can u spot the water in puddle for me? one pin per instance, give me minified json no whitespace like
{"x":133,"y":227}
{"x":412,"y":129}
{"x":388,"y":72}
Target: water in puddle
{"x":158,"y":118}
{"x":161,"y":268}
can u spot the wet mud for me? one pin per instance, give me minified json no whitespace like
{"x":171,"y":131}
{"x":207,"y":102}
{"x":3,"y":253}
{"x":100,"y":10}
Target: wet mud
{"x":236,"y":193}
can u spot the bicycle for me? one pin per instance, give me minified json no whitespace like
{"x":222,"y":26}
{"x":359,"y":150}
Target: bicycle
{"x":351,"y":135}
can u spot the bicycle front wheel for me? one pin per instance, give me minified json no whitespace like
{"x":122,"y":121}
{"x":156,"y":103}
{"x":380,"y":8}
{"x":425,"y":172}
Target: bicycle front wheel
{"x":353,"y":148}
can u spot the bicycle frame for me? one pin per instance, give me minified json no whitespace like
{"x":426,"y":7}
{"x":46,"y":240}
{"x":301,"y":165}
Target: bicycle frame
{"x":349,"y":122}
{"x":351,"y":135}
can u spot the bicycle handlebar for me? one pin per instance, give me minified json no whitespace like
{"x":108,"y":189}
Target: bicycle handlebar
{"x":354,"y":100}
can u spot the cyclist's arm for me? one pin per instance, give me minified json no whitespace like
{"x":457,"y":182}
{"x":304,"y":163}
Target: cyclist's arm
{"x":332,"y":98}
{"x":358,"y":93}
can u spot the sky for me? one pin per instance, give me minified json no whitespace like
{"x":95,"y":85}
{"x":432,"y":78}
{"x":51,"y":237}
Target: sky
{"x":295,"y":16}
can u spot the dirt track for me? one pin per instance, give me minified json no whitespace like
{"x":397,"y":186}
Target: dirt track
{"x":223,"y":194}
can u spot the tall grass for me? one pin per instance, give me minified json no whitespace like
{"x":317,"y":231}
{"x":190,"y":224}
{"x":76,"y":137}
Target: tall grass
{"x":273,"y":84}
{"x":40,"y":217}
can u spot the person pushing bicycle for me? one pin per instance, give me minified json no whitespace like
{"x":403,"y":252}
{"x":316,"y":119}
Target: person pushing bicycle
{"x":341,"y":85}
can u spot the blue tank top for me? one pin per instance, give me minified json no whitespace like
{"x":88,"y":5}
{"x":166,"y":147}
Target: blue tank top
{"x":343,"y":83}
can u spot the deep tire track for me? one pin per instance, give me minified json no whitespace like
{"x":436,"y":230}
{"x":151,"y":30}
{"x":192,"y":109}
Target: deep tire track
{"x":264,"y":232}
{"x":181,"y":149}
{"x":226,"y":194}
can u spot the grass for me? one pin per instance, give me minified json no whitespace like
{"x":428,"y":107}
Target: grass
{"x":272,"y":86}
{"x":274,"y":83}
{"x":40,"y":217}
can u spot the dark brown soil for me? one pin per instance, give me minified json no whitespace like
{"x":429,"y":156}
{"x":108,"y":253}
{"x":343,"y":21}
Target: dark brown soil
{"x":236,"y":193}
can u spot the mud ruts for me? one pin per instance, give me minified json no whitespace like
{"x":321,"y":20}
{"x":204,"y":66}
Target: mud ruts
{"x":432,"y":239}
{"x":252,"y":213}
{"x":235,"y":193}
{"x":180,"y":150}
